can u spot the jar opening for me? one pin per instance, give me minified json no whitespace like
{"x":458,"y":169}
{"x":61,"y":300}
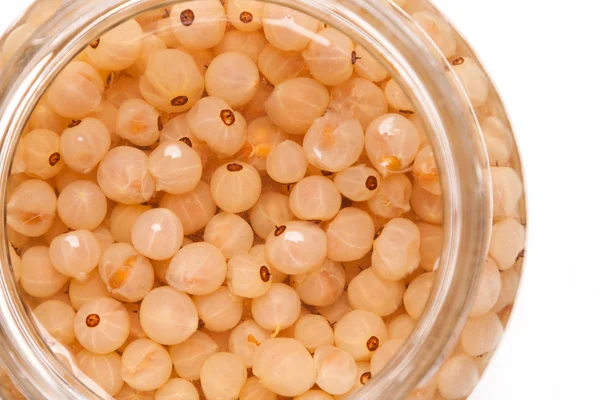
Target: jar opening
{"x":391,"y":38}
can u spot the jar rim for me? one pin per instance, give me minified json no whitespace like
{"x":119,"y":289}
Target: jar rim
{"x":400,"y":45}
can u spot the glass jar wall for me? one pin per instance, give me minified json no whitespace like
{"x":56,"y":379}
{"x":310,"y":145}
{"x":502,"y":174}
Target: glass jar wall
{"x":448,"y":309}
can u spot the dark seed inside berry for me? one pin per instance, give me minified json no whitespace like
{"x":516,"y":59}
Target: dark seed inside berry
{"x":246,"y":17}
{"x":265,"y":274}
{"x":54,"y":159}
{"x":179,"y":101}
{"x":373,"y":343}
{"x":233,"y":167}
{"x":364,"y":378}
{"x":458,"y":61}
{"x":372,"y":183}
{"x":228,"y":117}
{"x":160,"y":124}
{"x":92,"y":320}
{"x":187,"y":17}
{"x":95,"y":43}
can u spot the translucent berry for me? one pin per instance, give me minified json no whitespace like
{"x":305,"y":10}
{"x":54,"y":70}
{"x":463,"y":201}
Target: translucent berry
{"x":392,"y":199}
{"x":214,"y":121}
{"x":360,"y":333}
{"x":263,"y":137}
{"x":220,"y":310}
{"x":396,"y":250}
{"x":350,"y":235}
{"x":271,"y":210}
{"x":313,"y":331}
{"x":438,"y":30}
{"x":287,"y":163}
{"x":285,"y":367}
{"x":232,"y":77}
{"x":315,"y":198}
{"x":42,"y":155}
{"x":246,"y":277}
{"x":38,"y":277}
{"x":117,"y":49}
{"x":359,"y":98}
{"x":102,"y":325}
{"x":245,"y":15}
{"x":198,"y":24}
{"x":31,"y":208}
{"x":368,"y":292}
{"x":297,"y":247}
{"x":176,"y":167}
{"x":138,"y":122}
{"x":336,"y":369}
{"x":173,"y":81}
{"x":76,"y":91}
{"x":84,"y":145}
{"x":197,"y":269}
{"x":123,"y":176}
{"x":278,"y":65}
{"x":333,"y":142}
{"x":392,"y":143}
{"x":128,"y":275}
{"x":80,"y":292}
{"x":245,"y":339}
{"x":82,"y":205}
{"x":168,"y":316}
{"x":194,"y":208}
{"x":122,"y":218}
{"x":236,"y":187}
{"x":189,"y":356}
{"x":223,"y":376}
{"x":145,"y":365}
{"x":473,"y":78}
{"x":417,"y":295}
{"x":425,"y":171}
{"x":157,"y":234}
{"x":288,"y":29}
{"x":176,"y":389}
{"x":322,"y":286}
{"x":358,"y":183}
{"x":366,"y":66}
{"x":75,"y":254}
{"x":329,"y":57}
{"x":307,"y":97}
{"x":278,"y":309}
{"x":103,"y":369}
{"x":397,"y":98}
{"x":57,"y":318}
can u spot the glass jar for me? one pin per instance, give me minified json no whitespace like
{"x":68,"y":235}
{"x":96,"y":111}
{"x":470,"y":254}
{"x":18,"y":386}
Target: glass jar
{"x":446,"y":108}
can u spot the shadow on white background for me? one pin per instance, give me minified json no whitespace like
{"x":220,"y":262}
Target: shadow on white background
{"x":542,"y":58}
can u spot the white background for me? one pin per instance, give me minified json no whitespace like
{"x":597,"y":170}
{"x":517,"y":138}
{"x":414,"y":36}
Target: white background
{"x":543,"y":56}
